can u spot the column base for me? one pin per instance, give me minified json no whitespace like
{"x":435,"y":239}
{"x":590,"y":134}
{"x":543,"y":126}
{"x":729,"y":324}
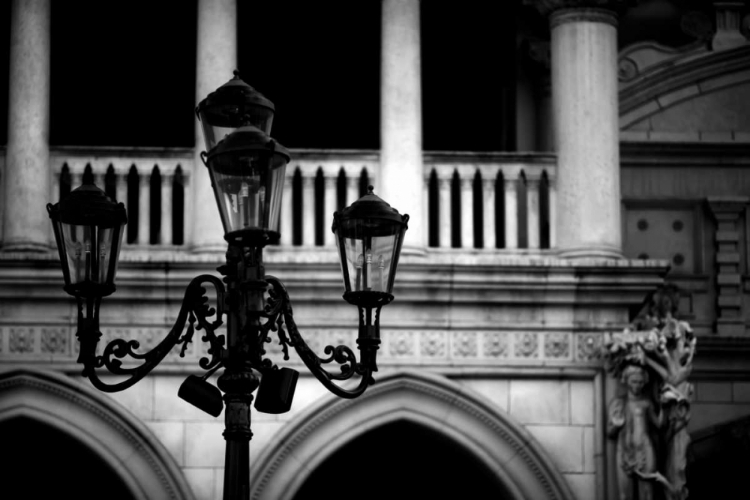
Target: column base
{"x":595,"y":252}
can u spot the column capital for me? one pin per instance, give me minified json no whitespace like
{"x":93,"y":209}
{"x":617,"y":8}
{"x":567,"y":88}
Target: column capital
{"x":568,"y":11}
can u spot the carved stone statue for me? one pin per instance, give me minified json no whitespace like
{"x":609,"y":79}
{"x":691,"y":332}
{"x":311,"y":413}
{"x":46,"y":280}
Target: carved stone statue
{"x":652,"y":360}
{"x":632,"y":420}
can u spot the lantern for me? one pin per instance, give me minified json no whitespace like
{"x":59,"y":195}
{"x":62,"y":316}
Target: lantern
{"x":247,"y":171}
{"x":88,"y":228}
{"x":231,"y":106}
{"x":369,"y":236}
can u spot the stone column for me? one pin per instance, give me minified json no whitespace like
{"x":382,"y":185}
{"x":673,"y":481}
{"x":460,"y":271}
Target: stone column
{"x":585,"y":113}
{"x":401,"y":176}
{"x":216,"y":61}
{"x":27,"y":171}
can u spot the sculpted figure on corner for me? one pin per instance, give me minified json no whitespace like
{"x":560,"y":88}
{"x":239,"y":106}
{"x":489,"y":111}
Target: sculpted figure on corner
{"x":652,"y":361}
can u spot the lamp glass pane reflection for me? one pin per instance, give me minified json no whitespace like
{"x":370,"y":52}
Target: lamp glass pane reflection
{"x":248,"y":185}
{"x":369,"y":236}
{"x":88,"y":253}
{"x":88,"y":232}
{"x":370,"y":261}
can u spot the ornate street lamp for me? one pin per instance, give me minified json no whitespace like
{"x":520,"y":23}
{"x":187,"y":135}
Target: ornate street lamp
{"x":247,"y":169}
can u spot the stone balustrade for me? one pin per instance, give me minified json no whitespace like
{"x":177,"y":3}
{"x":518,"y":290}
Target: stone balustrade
{"x":490,"y":201}
{"x":483,"y":201}
{"x":152,"y":184}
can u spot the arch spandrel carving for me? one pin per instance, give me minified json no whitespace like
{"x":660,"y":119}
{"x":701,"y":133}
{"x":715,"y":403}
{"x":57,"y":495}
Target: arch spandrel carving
{"x":437,"y":403}
{"x":114,"y":435}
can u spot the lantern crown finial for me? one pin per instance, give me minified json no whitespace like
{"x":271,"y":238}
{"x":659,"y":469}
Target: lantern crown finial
{"x":231,"y":106}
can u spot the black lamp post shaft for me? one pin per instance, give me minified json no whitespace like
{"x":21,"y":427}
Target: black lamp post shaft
{"x":245,"y":304}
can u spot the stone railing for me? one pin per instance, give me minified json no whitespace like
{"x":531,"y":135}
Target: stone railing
{"x":490,"y":200}
{"x":473,"y":200}
{"x":152,"y":183}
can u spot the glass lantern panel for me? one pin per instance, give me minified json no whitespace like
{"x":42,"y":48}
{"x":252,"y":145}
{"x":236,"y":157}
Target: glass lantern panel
{"x":221,"y":121}
{"x":370,"y":260}
{"x":249,"y":189}
{"x":88,"y":251}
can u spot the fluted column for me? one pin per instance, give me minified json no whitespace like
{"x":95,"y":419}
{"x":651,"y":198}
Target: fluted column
{"x":216,"y":61}
{"x":27,"y":175}
{"x":585,"y":115}
{"x":401,"y":171}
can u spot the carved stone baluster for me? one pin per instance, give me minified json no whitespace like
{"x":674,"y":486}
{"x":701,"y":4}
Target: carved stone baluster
{"x":444,"y":221}
{"x":330,"y":207}
{"x":532,"y":211}
{"x":467,"y":211}
{"x":308,"y":208}
{"x":511,"y":210}
{"x":144,"y":207}
{"x":165,"y":235}
{"x":488,"y":202}
{"x":286,"y":213}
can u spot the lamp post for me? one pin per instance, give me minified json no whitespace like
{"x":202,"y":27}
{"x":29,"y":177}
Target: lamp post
{"x":247,"y":169}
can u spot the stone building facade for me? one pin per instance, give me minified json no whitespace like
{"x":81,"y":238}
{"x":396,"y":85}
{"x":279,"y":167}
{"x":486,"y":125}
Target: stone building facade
{"x":627,"y":168}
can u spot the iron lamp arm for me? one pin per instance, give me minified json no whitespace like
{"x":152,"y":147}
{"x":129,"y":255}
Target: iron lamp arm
{"x":343,"y":355}
{"x":194,"y":309}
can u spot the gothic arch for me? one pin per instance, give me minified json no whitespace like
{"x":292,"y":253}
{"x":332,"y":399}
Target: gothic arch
{"x":115,"y":436}
{"x":501,"y":444}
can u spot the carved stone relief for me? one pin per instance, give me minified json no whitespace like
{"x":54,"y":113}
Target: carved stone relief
{"x":652,"y":361}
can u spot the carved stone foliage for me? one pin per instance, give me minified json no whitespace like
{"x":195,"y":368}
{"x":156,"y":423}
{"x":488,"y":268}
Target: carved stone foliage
{"x":413,"y":346}
{"x":652,"y":361}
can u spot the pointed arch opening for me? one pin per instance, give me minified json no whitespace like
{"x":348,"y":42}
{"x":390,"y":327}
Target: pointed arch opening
{"x":503,"y":452}
{"x":45,"y":409}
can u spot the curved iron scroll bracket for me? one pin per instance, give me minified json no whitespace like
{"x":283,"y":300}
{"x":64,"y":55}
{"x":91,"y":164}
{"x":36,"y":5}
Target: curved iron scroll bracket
{"x":194,"y":308}
{"x":343,"y":355}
